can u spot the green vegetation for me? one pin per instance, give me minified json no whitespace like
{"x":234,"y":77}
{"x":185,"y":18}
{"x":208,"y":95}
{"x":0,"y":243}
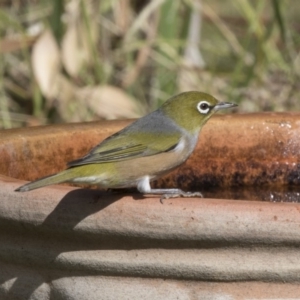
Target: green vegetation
{"x":71,"y":61}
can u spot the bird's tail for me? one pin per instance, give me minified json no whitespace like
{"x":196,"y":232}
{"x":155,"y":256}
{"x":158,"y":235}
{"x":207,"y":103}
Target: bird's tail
{"x":64,"y":176}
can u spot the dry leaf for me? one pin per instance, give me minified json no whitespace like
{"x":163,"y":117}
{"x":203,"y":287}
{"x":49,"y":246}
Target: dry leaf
{"x":76,"y":51}
{"x":109,"y":102}
{"x":46,"y":63}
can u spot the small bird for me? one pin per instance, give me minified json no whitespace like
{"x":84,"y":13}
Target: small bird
{"x":147,"y":149}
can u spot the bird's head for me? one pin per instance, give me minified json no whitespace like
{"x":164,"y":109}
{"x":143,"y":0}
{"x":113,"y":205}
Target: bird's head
{"x":191,"y":110}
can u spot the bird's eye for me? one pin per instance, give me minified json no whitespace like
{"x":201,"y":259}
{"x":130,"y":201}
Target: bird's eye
{"x":203,"y":107}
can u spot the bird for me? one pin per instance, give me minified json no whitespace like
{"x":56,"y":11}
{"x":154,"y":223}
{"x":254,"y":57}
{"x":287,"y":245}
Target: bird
{"x":145,"y":150}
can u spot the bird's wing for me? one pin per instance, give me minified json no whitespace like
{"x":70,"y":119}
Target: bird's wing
{"x":122,"y":147}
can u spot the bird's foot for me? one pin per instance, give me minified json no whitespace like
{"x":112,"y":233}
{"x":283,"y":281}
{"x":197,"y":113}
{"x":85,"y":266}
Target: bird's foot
{"x":181,"y":194}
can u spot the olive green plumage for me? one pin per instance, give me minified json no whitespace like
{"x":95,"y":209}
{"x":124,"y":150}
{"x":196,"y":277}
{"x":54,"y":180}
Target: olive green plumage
{"x":145,"y":150}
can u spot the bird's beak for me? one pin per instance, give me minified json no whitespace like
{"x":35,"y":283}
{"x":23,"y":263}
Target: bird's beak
{"x":222,"y":105}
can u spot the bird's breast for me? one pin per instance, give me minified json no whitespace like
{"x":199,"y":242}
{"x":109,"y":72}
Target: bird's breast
{"x":159,"y":164}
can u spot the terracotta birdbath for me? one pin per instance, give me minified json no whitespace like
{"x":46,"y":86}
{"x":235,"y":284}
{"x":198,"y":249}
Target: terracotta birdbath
{"x":240,"y":242}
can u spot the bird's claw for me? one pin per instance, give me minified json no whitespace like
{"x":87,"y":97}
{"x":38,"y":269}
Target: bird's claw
{"x":178,"y":195}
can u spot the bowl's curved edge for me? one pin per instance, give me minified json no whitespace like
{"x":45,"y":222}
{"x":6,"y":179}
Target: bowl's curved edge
{"x":63,"y":241}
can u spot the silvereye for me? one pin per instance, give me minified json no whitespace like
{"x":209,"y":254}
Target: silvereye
{"x":145,"y":150}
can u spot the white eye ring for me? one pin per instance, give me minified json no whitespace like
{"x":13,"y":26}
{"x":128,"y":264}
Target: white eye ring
{"x":203,"y":107}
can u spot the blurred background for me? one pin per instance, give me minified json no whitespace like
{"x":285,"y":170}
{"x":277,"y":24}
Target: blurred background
{"x":82,"y":60}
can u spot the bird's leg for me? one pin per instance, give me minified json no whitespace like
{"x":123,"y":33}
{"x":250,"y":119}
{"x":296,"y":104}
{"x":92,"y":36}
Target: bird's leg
{"x":145,"y":188}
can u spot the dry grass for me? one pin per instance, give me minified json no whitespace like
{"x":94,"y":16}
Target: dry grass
{"x":83,"y":60}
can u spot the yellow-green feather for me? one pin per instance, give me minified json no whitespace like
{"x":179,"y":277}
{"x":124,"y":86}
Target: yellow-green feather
{"x":183,"y":110}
